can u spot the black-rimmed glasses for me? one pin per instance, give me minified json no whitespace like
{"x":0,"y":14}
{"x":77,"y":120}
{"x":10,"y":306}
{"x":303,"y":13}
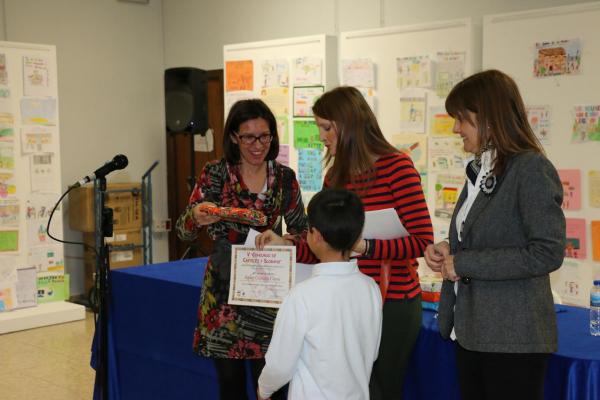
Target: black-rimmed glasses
{"x":250,"y":139}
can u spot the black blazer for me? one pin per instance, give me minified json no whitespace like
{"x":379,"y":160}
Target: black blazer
{"x":511,"y":241}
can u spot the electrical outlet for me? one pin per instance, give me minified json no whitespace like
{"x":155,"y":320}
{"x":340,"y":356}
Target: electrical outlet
{"x":162,"y":225}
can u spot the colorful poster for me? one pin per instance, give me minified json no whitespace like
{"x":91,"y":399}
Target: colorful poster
{"x":275,"y":73}
{"x":440,"y":123}
{"x":7,"y":133}
{"x":414,"y":72}
{"x":595,"y":240}
{"x":37,"y":139}
{"x":52,"y":286}
{"x":36,"y":81}
{"x":310,"y":170}
{"x":576,"y":246}
{"x":37,"y":214}
{"x":8,"y":187}
{"x":306,"y":135}
{"x":7,"y":156}
{"x":450,"y":69}
{"x":562,"y":57}
{"x":415,"y":146}
{"x":412,"y":114}
{"x":44,"y":173}
{"x":594,"y":188}
{"x":38,"y":111}
{"x":9,"y":241}
{"x":447,"y":190}
{"x":284,"y":154}
{"x":571,"y":182}
{"x":304,"y":98}
{"x":447,"y":154}
{"x":8,"y":298}
{"x":3,"y":70}
{"x":307,"y":71}
{"x":9,"y":213}
{"x":283,"y":129}
{"x":278,"y":100}
{"x":359,"y":72}
{"x":239,"y":75}
{"x":586,"y":126}
{"x":539,"y":120}
{"x":46,"y":258}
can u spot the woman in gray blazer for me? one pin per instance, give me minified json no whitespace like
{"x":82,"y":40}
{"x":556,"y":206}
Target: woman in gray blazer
{"x":506,"y":235}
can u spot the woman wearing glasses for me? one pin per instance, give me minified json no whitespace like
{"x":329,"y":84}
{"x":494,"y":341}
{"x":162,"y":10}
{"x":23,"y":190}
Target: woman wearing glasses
{"x":247,"y":177}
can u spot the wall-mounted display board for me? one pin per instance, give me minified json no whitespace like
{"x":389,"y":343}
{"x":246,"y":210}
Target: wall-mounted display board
{"x":31,"y":264}
{"x":405,"y":73}
{"x":554,"y":56}
{"x":288,"y":74}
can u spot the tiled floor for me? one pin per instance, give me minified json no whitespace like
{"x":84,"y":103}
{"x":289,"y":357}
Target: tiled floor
{"x":50,"y":363}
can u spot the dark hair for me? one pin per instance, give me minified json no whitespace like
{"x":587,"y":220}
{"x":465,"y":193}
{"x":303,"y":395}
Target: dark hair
{"x":240,"y":112}
{"x":502,"y":120}
{"x":359,"y":136}
{"x":339,"y":216}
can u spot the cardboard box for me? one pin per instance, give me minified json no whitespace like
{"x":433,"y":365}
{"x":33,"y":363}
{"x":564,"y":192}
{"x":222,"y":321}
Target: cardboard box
{"x":120,"y":237}
{"x":126,"y":206}
{"x":118,"y":258}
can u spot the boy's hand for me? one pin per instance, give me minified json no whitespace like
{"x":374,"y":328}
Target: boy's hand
{"x":261,"y":398}
{"x":269,"y":238}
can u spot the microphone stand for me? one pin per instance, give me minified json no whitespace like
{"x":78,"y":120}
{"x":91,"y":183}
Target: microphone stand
{"x":104,"y":224}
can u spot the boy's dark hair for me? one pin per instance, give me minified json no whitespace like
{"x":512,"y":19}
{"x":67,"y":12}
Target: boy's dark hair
{"x":338,"y":214}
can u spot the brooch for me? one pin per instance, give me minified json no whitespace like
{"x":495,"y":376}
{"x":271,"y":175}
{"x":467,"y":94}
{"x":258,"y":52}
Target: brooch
{"x":488,"y":183}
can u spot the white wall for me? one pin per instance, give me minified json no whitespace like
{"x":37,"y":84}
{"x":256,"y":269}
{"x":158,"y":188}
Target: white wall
{"x":111,"y":96}
{"x":196,"y":30}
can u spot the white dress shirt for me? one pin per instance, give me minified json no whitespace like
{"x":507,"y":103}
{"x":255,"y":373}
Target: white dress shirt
{"x":326,"y":336}
{"x":472,"y":192}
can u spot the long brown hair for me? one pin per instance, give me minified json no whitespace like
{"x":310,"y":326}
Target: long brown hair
{"x":502,"y":121}
{"x":359,"y":137}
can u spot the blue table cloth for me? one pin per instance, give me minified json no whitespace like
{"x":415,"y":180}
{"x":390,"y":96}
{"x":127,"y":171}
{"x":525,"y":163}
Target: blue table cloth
{"x":153,"y":315}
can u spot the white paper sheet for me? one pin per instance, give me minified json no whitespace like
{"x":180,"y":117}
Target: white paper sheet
{"x":383,"y":224}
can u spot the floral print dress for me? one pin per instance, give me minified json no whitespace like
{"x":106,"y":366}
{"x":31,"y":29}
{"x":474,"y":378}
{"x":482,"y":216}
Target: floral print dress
{"x":224,"y":330}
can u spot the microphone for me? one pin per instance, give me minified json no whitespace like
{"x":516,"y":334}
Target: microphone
{"x":118,"y":162}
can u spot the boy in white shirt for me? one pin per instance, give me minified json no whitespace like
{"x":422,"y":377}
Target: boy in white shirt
{"x":327,"y":331}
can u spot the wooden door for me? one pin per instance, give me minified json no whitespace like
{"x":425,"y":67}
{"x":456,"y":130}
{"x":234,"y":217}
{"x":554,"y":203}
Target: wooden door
{"x":180,"y":175}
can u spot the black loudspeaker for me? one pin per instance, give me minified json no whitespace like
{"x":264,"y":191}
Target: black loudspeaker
{"x":186,"y":103}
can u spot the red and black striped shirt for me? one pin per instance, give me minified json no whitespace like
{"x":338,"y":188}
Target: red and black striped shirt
{"x":397,"y":185}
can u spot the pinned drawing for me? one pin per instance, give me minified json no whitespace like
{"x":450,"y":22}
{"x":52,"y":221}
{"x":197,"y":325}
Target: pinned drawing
{"x":562,"y":57}
{"x":414,"y":72}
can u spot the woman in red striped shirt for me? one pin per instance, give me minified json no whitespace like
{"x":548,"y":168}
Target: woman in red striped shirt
{"x":362,"y":160}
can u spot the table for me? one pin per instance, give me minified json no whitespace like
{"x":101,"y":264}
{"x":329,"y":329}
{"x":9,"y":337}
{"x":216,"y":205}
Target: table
{"x":153,"y":315}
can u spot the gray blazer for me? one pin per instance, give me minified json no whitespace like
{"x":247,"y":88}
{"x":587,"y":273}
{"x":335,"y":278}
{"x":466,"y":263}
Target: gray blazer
{"x":511,"y":241}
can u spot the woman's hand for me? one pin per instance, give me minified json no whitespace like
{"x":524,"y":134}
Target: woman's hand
{"x":258,"y":396}
{"x":448,"y":271}
{"x":202,"y":218}
{"x":270,"y":238}
{"x":435,"y":254}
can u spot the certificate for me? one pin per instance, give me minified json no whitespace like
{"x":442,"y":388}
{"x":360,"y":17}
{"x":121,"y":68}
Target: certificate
{"x":261,"y":278}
